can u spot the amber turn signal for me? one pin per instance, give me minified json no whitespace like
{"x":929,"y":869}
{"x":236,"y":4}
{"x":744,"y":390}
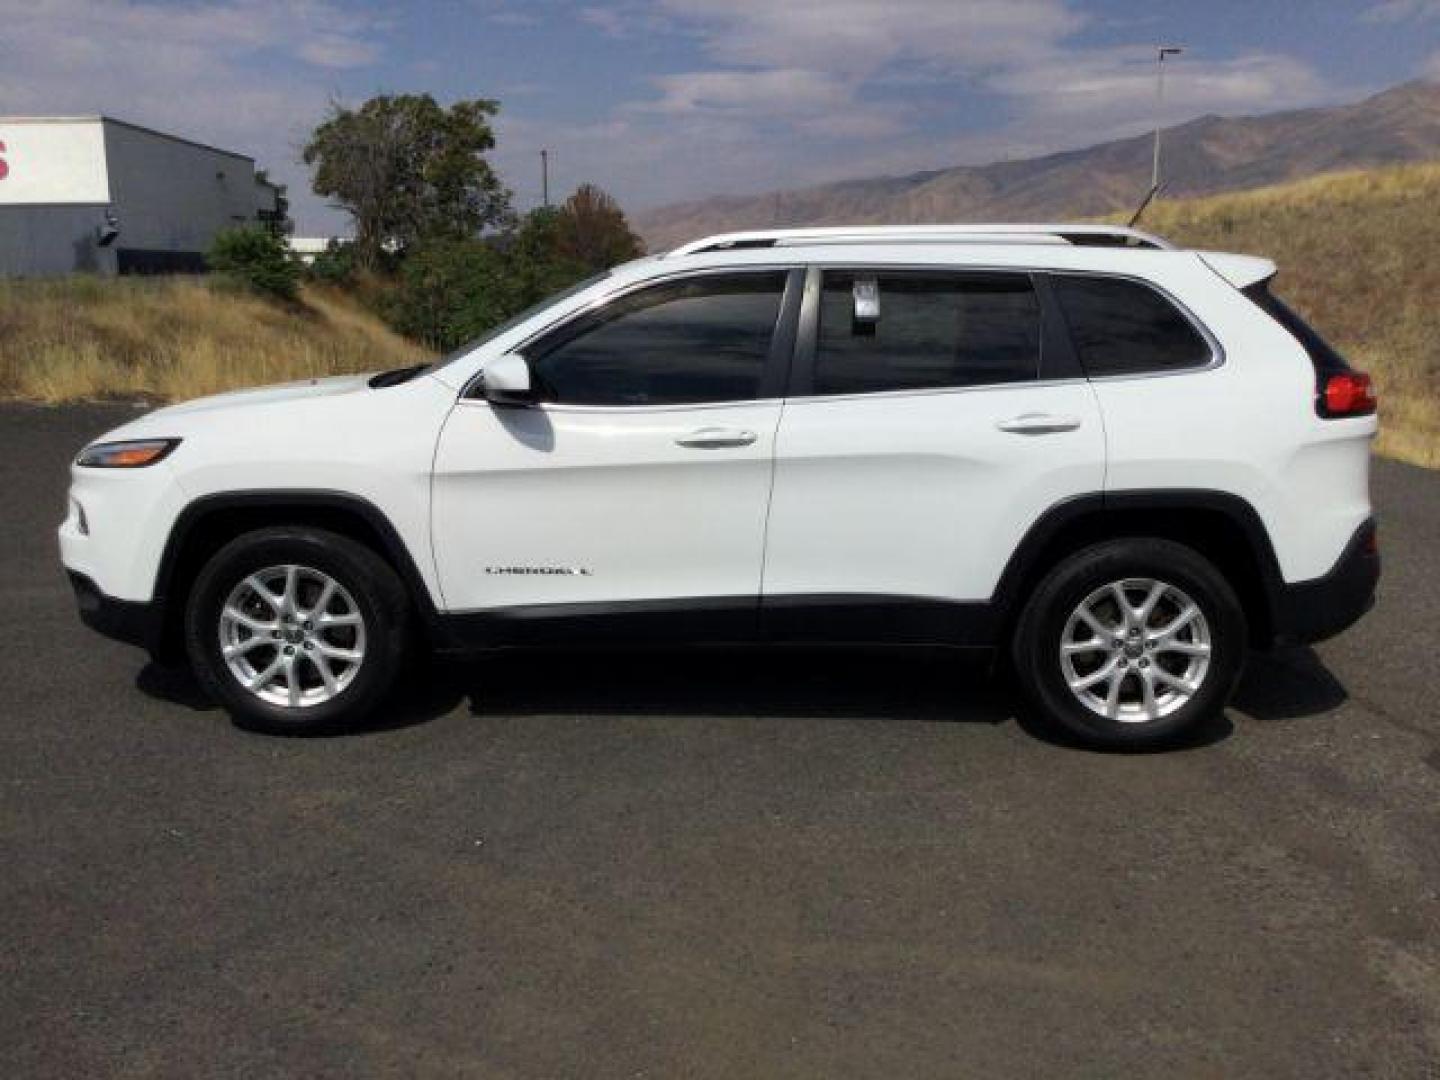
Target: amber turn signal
{"x":126,"y":455}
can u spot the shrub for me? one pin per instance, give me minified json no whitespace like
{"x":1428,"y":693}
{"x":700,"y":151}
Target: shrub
{"x":256,"y":258}
{"x":450,"y":291}
{"x":335,"y":265}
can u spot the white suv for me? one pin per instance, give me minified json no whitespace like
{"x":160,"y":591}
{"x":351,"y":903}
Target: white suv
{"x":1119,"y":463}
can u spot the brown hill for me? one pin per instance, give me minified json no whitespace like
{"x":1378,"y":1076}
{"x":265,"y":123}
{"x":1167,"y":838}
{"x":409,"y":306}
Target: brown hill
{"x":1204,"y":156}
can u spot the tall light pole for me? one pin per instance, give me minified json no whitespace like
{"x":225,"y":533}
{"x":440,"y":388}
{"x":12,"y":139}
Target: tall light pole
{"x":1161,"y":52}
{"x":545,"y":178}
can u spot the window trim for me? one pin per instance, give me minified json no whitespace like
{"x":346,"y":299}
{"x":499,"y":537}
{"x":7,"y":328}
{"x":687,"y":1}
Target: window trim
{"x":1217,"y":350}
{"x":774,"y":375}
{"x":1057,"y":363}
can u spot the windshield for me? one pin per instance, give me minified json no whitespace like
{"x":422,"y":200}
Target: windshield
{"x":515,"y":320}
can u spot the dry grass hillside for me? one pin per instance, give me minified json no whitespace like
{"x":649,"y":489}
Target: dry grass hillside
{"x":176,"y":338}
{"x":1358,"y":258}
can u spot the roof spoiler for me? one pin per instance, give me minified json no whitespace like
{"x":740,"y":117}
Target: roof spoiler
{"x":1241,"y":271}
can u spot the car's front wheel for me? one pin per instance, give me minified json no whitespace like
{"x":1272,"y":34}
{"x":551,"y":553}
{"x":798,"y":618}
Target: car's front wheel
{"x":296,"y":630}
{"x":1131,"y":642}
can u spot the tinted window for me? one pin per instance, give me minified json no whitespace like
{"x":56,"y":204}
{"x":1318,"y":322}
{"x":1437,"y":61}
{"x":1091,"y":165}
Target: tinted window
{"x":1123,"y":327}
{"x":933,"y":330}
{"x":702,"y":339}
{"x":1322,"y":354}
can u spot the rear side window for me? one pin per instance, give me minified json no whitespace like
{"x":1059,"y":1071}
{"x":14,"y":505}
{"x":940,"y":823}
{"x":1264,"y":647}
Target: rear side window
{"x":929,"y":331}
{"x":1125,"y":328}
{"x":1323,"y":355}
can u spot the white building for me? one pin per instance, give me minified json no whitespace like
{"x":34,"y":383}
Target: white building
{"x":308,"y":248}
{"x":95,"y":194}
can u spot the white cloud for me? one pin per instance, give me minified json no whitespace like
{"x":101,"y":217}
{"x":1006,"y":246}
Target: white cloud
{"x":609,"y":21}
{"x":806,"y":92}
{"x":514,"y":18}
{"x":338,"y":52}
{"x":861,"y":36}
{"x":1111,"y":87}
{"x":248,"y":75}
{"x":1402,"y":10}
{"x":784,"y":90}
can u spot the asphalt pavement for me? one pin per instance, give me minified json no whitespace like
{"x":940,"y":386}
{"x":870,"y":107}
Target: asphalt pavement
{"x":711,"y":865}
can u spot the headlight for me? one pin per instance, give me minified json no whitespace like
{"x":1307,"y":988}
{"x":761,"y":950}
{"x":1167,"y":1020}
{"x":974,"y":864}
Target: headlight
{"x":126,"y":455}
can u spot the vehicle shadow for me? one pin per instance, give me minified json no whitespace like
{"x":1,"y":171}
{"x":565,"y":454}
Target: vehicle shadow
{"x":689,"y":683}
{"x":779,"y":684}
{"x":1287,"y":684}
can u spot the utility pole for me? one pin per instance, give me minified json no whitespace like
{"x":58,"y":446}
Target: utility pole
{"x":1161,"y":51}
{"x":545,"y":178}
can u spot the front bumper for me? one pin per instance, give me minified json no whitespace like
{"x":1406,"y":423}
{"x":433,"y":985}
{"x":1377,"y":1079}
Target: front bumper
{"x":1312,"y":611}
{"x":133,"y":622}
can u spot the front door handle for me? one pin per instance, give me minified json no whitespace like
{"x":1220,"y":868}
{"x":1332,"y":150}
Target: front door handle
{"x":1038,"y":424}
{"x":716,"y":438}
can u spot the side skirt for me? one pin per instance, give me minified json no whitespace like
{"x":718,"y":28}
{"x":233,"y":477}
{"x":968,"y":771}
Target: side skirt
{"x":819,"y":620}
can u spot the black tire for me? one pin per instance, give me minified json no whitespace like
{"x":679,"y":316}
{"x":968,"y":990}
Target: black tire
{"x":376,"y":591}
{"x":1042,"y":625}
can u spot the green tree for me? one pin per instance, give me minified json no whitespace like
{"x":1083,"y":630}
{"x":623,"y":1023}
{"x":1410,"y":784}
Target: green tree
{"x":336,"y":264}
{"x":449,"y":291}
{"x":257,"y":258}
{"x":408,"y":171}
{"x":591,"y":229}
{"x":537,"y":264}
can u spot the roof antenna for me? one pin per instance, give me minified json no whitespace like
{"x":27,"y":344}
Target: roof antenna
{"x":1144,"y":205}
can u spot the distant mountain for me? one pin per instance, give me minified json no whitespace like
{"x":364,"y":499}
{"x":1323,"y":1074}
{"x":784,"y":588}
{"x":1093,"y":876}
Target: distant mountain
{"x":1203,"y":156}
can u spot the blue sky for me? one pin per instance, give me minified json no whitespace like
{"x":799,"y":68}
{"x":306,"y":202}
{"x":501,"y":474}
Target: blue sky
{"x":662,"y":101}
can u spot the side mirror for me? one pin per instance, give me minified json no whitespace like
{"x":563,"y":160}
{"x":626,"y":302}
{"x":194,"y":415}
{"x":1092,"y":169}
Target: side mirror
{"x":506,"y":381}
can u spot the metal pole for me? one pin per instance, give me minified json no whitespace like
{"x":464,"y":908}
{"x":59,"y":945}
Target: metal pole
{"x":1161,"y":52}
{"x":545,"y":178}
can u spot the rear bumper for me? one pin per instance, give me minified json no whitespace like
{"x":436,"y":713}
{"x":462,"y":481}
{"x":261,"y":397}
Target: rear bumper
{"x":1312,"y":611}
{"x":133,"y":622}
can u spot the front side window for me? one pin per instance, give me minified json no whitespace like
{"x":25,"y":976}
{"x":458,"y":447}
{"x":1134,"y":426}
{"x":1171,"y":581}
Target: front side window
{"x":896,"y":330}
{"x":703,"y":339}
{"x":1122,"y":327}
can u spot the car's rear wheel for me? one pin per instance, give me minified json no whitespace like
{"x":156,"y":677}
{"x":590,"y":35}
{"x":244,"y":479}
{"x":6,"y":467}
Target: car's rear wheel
{"x":296,"y":630}
{"x":1131,"y":643}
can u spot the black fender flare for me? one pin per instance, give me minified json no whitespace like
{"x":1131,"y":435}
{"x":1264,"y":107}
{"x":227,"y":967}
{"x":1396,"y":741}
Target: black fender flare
{"x":1033,"y":554}
{"x":326,"y":502}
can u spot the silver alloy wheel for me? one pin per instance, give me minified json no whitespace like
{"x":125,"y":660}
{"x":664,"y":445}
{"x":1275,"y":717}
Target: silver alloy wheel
{"x":292,"y":635}
{"x":1135,"y":650}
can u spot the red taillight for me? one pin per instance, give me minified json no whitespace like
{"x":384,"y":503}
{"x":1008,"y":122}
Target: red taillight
{"x":1350,"y":393}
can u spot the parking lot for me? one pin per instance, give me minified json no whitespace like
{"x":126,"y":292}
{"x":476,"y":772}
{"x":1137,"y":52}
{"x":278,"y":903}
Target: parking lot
{"x":718,"y":864}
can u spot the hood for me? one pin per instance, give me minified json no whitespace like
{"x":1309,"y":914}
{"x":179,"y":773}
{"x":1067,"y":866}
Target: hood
{"x":267,"y":395}
{"x":188,"y":417}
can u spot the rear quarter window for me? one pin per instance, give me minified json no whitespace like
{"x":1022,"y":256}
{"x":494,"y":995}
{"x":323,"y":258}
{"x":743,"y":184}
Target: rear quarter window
{"x":1324,"y":356}
{"x":1122,"y":327}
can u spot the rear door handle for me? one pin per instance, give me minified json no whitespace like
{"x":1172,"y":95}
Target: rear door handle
{"x":1038,"y":424}
{"x":716,"y":438}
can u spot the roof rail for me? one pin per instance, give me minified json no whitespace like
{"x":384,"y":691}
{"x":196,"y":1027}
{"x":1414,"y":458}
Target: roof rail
{"x":1079,"y":235}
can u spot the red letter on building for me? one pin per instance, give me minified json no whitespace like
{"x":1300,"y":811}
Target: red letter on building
{"x":4,"y":165}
